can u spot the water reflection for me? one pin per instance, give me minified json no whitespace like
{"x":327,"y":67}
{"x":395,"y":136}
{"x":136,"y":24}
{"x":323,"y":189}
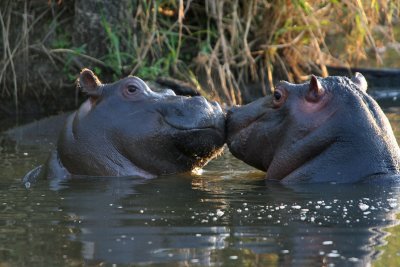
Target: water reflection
{"x":226,"y":216}
{"x":172,"y":219}
{"x":124,"y":220}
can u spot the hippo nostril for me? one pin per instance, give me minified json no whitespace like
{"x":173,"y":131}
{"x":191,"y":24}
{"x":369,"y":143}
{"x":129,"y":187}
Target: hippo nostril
{"x":199,"y":99}
{"x":216,"y":106}
{"x":168,"y":92}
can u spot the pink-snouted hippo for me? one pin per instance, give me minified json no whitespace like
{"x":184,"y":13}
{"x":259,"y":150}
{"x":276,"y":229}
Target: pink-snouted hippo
{"x":325,"y":130}
{"x":126,"y":129}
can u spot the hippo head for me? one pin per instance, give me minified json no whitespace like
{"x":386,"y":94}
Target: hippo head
{"x":125,"y":128}
{"x":324,"y":130}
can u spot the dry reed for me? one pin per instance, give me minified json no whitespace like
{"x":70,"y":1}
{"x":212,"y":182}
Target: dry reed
{"x":220,"y":45}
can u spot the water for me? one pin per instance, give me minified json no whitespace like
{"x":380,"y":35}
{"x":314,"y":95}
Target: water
{"x":226,"y":216}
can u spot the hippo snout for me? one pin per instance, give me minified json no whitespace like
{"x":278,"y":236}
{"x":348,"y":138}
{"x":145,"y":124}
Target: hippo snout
{"x":200,"y":101}
{"x":240,"y":118}
{"x":231,"y":125}
{"x":231,"y":110}
{"x":191,"y":113}
{"x":216,"y":106}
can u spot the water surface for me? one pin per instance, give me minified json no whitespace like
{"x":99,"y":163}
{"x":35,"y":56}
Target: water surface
{"x":226,"y":216}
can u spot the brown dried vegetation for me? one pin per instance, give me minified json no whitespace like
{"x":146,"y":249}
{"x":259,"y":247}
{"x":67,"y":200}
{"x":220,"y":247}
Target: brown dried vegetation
{"x":217,"y":45}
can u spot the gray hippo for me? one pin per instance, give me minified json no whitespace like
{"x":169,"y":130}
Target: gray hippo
{"x":325,"y":130}
{"x":126,"y":129}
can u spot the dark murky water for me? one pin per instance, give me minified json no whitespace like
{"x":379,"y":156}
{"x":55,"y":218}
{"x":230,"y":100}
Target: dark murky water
{"x":227,"y":216}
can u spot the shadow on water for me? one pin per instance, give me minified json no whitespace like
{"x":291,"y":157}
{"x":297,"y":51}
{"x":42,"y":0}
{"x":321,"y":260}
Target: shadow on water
{"x":170,"y":219}
{"x":226,"y":216}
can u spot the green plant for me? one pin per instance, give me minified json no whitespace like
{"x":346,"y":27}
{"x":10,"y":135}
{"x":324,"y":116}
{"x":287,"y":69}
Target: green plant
{"x":217,"y":45}
{"x":114,"y":57}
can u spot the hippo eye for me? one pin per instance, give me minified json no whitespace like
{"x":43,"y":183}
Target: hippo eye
{"x":131,"y":89}
{"x":277,"y":95}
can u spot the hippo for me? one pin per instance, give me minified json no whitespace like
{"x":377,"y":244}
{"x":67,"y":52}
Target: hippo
{"x":126,"y":129}
{"x":325,"y":130}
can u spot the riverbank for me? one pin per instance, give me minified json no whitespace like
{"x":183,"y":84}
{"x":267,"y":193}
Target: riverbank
{"x":228,"y":51}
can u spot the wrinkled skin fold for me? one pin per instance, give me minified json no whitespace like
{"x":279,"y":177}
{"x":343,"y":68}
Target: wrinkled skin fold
{"x":126,"y":129}
{"x":325,"y":130}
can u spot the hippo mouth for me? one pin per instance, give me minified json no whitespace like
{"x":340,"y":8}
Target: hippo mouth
{"x":200,"y":141}
{"x":200,"y":145}
{"x":191,"y":128}
{"x":214,"y":123}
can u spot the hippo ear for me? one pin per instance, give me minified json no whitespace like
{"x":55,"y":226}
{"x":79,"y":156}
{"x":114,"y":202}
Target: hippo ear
{"x":315,"y":90}
{"x":89,"y":83}
{"x":359,"y":80}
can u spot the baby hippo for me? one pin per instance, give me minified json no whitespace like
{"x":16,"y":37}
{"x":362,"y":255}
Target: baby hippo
{"x":326,"y":130}
{"x":126,"y":129}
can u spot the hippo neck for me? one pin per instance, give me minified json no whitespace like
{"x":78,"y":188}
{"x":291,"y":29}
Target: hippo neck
{"x":324,"y":156}
{"x":105,"y":160}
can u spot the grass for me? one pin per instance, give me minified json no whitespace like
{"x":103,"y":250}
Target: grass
{"x":217,"y":45}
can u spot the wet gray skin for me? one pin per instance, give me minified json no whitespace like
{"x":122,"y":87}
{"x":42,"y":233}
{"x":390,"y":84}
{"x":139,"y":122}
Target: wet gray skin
{"x":126,"y":129}
{"x":325,"y":130}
